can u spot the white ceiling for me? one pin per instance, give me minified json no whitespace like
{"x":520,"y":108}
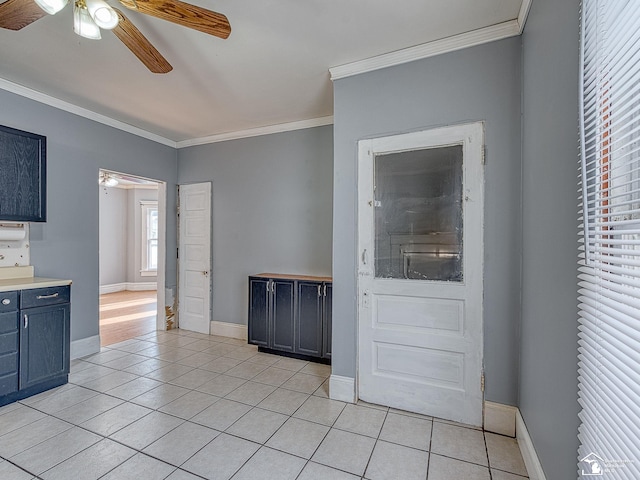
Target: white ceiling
{"x":273,"y":69}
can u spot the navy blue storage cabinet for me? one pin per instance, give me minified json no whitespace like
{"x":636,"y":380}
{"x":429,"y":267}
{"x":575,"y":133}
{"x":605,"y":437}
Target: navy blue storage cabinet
{"x":291,"y":315}
{"x":34,"y":341}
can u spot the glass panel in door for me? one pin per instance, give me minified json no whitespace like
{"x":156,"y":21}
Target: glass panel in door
{"x":418,"y":214}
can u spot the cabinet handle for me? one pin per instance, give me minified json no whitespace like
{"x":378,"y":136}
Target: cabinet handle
{"x":26,"y":321}
{"x":273,"y":287}
{"x":42,"y":297}
{"x":325,"y":290}
{"x":319,"y":294}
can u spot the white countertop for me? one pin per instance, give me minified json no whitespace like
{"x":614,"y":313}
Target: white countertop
{"x":10,"y":284}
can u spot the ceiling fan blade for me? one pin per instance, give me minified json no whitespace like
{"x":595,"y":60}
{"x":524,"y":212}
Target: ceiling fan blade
{"x":17,"y":14}
{"x":184,"y":14}
{"x":135,"y":41}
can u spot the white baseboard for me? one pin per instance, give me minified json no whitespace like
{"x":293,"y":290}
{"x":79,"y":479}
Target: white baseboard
{"x":140,"y":286}
{"x":529,"y":455}
{"x":130,"y":286}
{"x":231,"y":330}
{"x":112,"y":288}
{"x":85,"y":346}
{"x":499,"y":418}
{"x":342,"y":388}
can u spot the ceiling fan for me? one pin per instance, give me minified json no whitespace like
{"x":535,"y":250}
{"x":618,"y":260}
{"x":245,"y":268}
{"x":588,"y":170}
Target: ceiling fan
{"x":89,"y":16}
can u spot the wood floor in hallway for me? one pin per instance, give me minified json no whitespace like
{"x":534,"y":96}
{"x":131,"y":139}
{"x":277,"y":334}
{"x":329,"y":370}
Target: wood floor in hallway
{"x":126,"y":314}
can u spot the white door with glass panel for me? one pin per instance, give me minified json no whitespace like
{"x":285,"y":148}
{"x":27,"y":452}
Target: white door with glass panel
{"x":194,"y":257}
{"x":420,"y":243}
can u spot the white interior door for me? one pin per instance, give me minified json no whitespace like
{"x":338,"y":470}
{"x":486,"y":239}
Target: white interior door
{"x":194,"y":257}
{"x":420,"y":237}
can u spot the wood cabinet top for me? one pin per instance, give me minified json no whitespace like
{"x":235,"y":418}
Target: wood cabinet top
{"x":285,"y":276}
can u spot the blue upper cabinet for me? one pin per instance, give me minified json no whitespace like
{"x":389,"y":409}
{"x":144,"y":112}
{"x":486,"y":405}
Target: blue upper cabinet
{"x":23,"y":176}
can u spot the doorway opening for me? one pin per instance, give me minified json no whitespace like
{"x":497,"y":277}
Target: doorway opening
{"x":132,"y":235}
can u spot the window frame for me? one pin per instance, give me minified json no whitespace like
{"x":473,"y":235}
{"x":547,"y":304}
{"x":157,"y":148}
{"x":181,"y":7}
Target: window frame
{"x":146,"y":207}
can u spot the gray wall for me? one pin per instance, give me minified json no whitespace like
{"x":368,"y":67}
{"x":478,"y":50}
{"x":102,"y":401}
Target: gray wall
{"x":66,"y":246}
{"x":548,"y":378}
{"x":271,"y":210}
{"x":113,"y":235}
{"x":480,"y":83}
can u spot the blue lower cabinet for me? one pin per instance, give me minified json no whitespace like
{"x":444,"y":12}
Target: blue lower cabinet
{"x":44,"y":344}
{"x":290,"y":316}
{"x":34,"y":341}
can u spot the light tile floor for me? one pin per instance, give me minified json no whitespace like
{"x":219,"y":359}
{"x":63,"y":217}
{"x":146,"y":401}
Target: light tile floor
{"x":184,"y":406}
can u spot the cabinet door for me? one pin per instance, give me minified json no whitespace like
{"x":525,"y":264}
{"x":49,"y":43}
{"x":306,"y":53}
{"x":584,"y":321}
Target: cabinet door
{"x":259,"y":312}
{"x":326,"y":321}
{"x":309,"y":319}
{"x":44,"y":344}
{"x":8,"y":352}
{"x":22,"y":176}
{"x":282,"y":315}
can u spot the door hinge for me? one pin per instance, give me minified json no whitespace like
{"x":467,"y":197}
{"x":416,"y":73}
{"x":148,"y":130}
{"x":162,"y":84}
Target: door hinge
{"x":482,"y":383}
{"x":484,"y":155}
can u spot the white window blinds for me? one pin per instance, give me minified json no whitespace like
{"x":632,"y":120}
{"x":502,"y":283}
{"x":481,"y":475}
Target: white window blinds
{"x":609,"y":270}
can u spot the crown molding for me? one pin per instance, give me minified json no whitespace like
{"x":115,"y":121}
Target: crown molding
{"x":525,"y":7}
{"x":97,"y":117}
{"x":256,"y":132}
{"x":430,"y":49}
{"x":82,"y":112}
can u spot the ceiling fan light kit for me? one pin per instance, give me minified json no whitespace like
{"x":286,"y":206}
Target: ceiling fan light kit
{"x":102,"y":14}
{"x":51,"y":6}
{"x":89,"y":16}
{"x":83,"y":24}
{"x":107,"y":180}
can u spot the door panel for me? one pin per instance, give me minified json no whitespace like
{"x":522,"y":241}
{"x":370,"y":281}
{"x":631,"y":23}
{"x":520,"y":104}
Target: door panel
{"x":194,"y":257}
{"x":44,"y":344}
{"x":420,"y":313}
{"x":326,"y":319}
{"x":283,"y":315}
{"x":259,"y":312}
{"x":420,"y":210}
{"x":309,"y":334}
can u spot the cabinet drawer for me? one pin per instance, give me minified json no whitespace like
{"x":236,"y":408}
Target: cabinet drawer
{"x":8,"y":322}
{"x":8,"y":301}
{"x":8,"y":383}
{"x":8,"y":342}
{"x":9,"y":363}
{"x":39,"y":297}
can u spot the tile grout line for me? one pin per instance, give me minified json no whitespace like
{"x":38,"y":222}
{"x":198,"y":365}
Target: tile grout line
{"x":430,"y":447}
{"x":386,"y":414}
